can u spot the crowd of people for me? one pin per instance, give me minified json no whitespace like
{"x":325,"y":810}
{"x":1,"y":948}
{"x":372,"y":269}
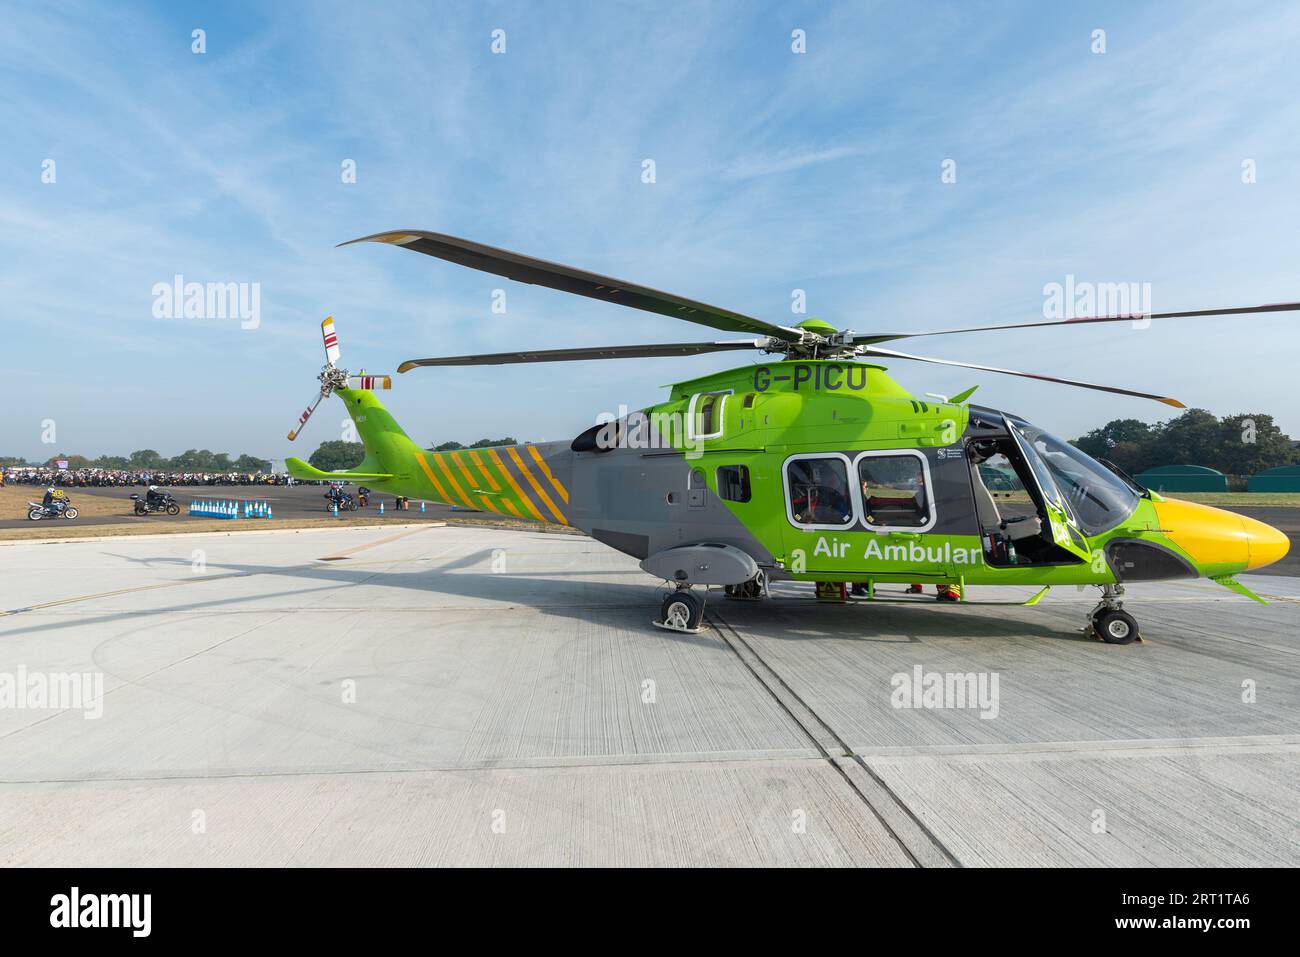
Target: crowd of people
{"x":113,"y":478}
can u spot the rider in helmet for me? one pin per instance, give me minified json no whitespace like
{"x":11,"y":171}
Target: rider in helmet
{"x":154,"y":497}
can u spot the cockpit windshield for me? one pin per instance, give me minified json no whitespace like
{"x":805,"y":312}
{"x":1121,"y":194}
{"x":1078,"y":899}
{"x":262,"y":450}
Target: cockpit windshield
{"x":1097,"y":498}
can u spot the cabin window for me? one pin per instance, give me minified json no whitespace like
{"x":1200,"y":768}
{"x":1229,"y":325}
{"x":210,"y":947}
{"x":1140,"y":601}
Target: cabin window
{"x":704,"y":416}
{"x":817,"y":491}
{"x":896,"y":490}
{"x":733,"y":483}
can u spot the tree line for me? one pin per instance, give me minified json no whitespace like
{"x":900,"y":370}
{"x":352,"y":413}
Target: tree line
{"x":149,"y":460}
{"x":1242,"y":444}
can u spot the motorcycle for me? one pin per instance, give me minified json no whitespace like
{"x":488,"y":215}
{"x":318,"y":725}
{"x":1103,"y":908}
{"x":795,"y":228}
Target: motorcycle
{"x":144,"y":507}
{"x":346,"y":502}
{"x":56,"y":509}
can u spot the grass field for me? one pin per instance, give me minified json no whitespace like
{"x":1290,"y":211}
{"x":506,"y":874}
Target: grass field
{"x":14,"y":499}
{"x":1241,"y":499}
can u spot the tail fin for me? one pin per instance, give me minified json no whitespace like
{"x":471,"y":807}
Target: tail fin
{"x":390,"y":453}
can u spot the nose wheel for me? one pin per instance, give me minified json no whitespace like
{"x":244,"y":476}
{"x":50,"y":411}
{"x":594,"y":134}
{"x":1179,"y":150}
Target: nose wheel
{"x":682,"y":610}
{"x":1110,"y":622}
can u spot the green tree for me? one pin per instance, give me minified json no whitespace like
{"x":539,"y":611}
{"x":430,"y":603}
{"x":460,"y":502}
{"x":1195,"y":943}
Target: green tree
{"x":337,"y":454}
{"x":145,"y":459}
{"x":488,"y":443}
{"x":447,"y":447}
{"x":1194,"y":438}
{"x":251,"y":463}
{"x":1250,"y":442}
{"x":1126,"y":442}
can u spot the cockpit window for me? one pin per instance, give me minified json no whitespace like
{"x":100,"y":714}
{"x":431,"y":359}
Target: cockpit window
{"x":1098,"y":499}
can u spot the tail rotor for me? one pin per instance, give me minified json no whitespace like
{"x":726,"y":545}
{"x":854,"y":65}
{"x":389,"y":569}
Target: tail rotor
{"x":333,"y":377}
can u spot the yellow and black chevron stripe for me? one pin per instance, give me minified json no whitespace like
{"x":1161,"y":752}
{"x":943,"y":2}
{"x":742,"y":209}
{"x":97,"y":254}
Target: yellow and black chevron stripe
{"x":510,"y":480}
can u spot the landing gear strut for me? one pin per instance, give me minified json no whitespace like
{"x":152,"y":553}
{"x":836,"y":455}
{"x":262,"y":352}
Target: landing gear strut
{"x":682,"y":610}
{"x":753,"y":590}
{"x":1109,"y":621}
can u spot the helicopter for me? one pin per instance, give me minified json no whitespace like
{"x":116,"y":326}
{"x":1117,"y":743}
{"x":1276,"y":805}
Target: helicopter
{"x":810,"y":465}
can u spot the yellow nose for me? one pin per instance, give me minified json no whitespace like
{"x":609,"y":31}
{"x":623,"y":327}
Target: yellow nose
{"x":1214,"y":537}
{"x":1267,"y":544}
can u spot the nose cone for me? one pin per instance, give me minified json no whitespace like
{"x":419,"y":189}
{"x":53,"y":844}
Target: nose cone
{"x":1220,"y":542}
{"x":1267,"y":545}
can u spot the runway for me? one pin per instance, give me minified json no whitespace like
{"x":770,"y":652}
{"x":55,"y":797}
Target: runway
{"x":440,"y":695}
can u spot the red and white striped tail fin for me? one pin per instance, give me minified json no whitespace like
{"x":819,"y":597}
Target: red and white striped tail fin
{"x":331,"y":340}
{"x":370,"y":382}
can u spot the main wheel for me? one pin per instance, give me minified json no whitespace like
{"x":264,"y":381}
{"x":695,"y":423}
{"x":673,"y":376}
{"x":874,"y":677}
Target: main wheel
{"x":1115,"y":627}
{"x":70,"y":512}
{"x":173,"y":509}
{"x":682,"y":611}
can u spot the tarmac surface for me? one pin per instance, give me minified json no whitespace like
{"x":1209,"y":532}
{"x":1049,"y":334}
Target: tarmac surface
{"x":442,"y":695}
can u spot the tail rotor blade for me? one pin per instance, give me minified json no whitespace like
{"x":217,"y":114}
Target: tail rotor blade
{"x":370,"y":382}
{"x":302,"y":419}
{"x":331,"y":340}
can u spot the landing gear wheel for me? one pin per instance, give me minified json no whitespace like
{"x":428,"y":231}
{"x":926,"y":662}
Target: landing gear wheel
{"x":681,"y":611}
{"x":173,"y":509}
{"x":1115,"y":627}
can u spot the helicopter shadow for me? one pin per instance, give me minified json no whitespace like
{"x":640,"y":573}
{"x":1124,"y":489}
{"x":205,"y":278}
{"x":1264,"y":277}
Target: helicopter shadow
{"x":555,"y":593}
{"x":787,"y":617}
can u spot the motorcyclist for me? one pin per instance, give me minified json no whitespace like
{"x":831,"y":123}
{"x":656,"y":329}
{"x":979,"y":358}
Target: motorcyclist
{"x":54,"y":500}
{"x":155,"y":498}
{"x":363,"y":495}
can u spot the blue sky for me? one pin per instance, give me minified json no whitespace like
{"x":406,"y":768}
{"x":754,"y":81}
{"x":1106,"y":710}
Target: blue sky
{"x":775,"y":171}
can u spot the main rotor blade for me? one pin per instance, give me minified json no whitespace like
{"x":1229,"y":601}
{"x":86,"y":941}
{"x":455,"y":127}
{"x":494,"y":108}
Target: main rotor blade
{"x":594,"y":352}
{"x":539,"y":272}
{"x":869,"y":338}
{"x":890,"y":353}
